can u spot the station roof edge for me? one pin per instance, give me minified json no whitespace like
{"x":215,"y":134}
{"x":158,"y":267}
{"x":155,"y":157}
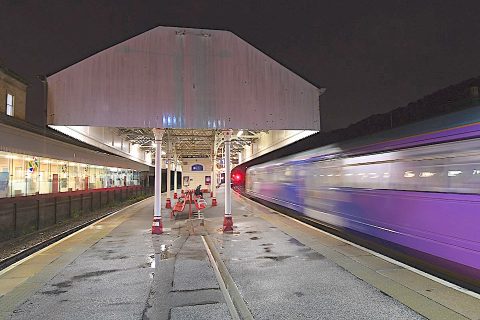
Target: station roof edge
{"x":319,"y":87}
{"x":13,"y":74}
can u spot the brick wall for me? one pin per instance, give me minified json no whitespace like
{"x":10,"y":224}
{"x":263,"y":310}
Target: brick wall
{"x":9,"y":84}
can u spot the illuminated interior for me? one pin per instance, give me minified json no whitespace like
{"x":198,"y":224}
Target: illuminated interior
{"x":23,"y":175}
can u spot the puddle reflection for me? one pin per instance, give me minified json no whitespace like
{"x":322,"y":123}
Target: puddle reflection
{"x":155,"y":258}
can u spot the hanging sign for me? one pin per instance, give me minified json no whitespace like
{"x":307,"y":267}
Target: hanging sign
{"x":33,"y":165}
{"x":197,"y":167}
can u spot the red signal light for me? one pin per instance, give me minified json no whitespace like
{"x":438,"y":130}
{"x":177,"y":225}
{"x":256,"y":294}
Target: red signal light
{"x":237,"y":177}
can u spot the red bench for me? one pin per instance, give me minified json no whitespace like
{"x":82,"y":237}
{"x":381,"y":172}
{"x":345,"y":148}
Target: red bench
{"x":179,"y":207}
{"x":200,"y":204}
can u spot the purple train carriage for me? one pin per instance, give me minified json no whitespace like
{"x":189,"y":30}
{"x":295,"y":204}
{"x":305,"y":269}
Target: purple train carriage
{"x":412,"y":193}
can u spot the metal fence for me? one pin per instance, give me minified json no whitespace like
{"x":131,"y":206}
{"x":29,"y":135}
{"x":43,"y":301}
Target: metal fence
{"x":23,"y":215}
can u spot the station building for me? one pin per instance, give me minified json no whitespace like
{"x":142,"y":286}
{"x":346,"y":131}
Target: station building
{"x":37,"y":160}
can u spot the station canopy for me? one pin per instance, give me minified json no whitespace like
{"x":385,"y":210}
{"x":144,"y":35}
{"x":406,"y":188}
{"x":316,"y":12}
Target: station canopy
{"x":191,"y":143}
{"x":182,"y":79}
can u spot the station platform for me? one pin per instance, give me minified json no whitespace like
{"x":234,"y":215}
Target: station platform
{"x":270,"y":267}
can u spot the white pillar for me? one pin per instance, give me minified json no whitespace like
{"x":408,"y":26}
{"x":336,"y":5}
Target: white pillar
{"x":213,"y":180}
{"x":168,"y":203}
{"x":227,"y":220}
{"x":157,"y":226}
{"x":169,"y":182}
{"x":169,"y":176}
{"x":175,"y":179}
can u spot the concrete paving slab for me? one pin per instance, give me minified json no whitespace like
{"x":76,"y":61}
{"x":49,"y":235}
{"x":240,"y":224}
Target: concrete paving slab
{"x":469,"y":306}
{"x":410,"y":279}
{"x":8,"y":284}
{"x":280,"y":278}
{"x":350,"y":250}
{"x":193,"y":275}
{"x":23,"y":271}
{"x":44,"y":258}
{"x":201,"y":312}
{"x":375,"y":263}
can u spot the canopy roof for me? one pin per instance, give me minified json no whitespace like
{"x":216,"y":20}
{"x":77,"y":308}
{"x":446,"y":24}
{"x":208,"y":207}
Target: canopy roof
{"x":191,"y":143}
{"x":182,"y":78}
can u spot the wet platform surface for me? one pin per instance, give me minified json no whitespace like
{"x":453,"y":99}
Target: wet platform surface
{"x":281,"y":269}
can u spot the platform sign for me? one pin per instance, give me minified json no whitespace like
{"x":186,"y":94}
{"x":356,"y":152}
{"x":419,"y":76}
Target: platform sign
{"x":208,"y":180}
{"x":197,"y":167}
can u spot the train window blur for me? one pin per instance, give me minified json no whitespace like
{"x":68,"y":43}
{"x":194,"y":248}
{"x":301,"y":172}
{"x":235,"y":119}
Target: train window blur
{"x":433,"y":168}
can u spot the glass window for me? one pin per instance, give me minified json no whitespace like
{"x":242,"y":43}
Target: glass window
{"x":45,"y":176}
{"x":10,"y":105}
{"x":4,"y":175}
{"x":32,"y":175}
{"x":63,"y":176}
{"x":55,"y":175}
{"x":24,"y":175}
{"x":73,"y":176}
{"x":18,"y":183}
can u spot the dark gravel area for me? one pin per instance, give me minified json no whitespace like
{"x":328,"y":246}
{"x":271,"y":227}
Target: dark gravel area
{"x":13,"y":246}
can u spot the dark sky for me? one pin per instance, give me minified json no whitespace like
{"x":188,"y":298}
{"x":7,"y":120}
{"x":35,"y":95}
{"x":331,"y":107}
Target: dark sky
{"x":372,"y":56}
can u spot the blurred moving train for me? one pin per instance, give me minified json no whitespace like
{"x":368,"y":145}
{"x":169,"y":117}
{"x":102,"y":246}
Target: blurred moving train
{"x":411,"y":193}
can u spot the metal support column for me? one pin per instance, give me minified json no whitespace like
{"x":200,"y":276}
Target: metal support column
{"x":214,"y":180}
{"x":157,"y":225}
{"x":168,"y":202}
{"x":227,"y":220}
{"x":175,"y":178}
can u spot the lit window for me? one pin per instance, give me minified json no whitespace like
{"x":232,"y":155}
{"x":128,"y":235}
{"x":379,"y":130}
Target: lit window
{"x":454,"y":173}
{"x":10,"y":105}
{"x":426,"y":174}
{"x":409,"y":174}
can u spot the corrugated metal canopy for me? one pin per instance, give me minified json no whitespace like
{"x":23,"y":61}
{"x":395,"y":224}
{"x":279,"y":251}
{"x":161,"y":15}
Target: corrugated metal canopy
{"x":182,"y":78}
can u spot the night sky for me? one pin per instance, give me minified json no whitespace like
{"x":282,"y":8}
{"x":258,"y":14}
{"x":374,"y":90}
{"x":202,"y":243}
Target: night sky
{"x":372,"y":56}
